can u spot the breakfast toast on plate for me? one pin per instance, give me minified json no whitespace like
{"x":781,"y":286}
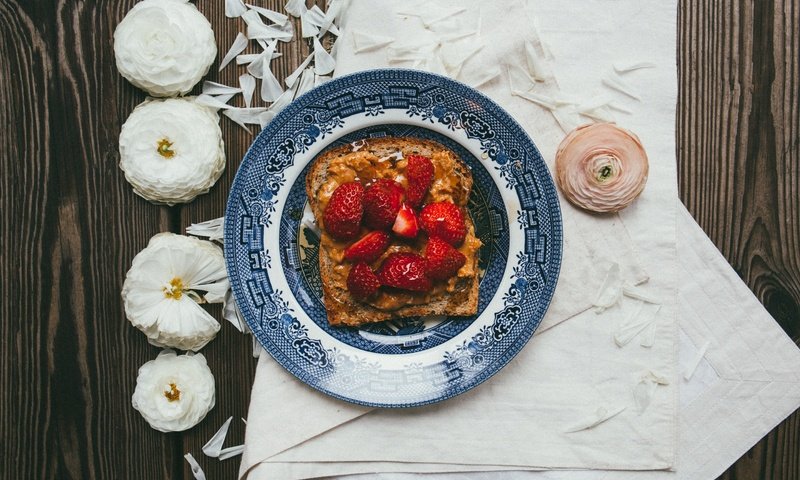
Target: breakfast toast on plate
{"x":396,"y":237}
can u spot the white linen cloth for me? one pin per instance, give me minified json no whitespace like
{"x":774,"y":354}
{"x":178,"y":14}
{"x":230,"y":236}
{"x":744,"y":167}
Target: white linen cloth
{"x":518,"y":420}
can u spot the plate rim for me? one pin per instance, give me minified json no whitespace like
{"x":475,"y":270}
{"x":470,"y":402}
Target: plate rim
{"x":231,"y":209}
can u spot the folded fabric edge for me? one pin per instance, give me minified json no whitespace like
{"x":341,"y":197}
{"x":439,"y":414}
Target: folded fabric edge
{"x":307,"y":470}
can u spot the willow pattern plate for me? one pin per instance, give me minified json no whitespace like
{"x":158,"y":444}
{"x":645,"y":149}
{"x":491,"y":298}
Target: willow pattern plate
{"x":272,"y":248}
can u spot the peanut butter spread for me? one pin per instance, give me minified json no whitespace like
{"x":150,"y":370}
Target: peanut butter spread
{"x":448,"y":185}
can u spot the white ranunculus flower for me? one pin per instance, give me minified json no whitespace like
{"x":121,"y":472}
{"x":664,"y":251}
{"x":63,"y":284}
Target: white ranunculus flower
{"x":171,"y":150}
{"x":174,"y":392}
{"x":164,"y":46}
{"x":165,"y":285}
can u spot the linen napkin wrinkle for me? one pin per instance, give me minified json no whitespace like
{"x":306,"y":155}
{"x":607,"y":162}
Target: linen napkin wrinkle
{"x":563,"y":377}
{"x":737,"y":392}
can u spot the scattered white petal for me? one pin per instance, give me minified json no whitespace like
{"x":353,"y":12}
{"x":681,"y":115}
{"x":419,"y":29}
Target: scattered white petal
{"x":212,"y":101}
{"x":645,"y":389}
{"x":284,"y":100}
{"x":638,"y":294}
{"x":305,"y":83}
{"x":640,"y":317}
{"x":540,"y":42}
{"x":270,"y":15}
{"x":692,"y":367}
{"x":455,"y":60}
{"x":174,"y":392}
{"x":315,"y":16}
{"x":323,"y":61}
{"x":298,"y":71}
{"x":536,"y":67}
{"x":411,"y":52}
{"x":487,"y":76}
{"x":629,"y":67}
{"x":619,"y":108}
{"x":234,"y":8}
{"x":214,"y":229}
{"x":244,"y":421}
{"x":197,"y":471}
{"x":518,"y":79}
{"x":642,"y":394}
{"x":600,"y":415}
{"x":244,"y":116}
{"x":247,"y":58}
{"x":615,"y":82}
{"x":542,"y":100}
{"x":257,"y":66}
{"x":270,"y":86}
{"x":649,"y":336}
{"x":231,"y":313}
{"x":295,"y":8}
{"x":328,"y":25}
{"x":213,"y":446}
{"x":247,"y":84}
{"x":238,"y":46}
{"x":231,"y":452}
{"x":257,"y":29}
{"x":214,"y":88}
{"x":257,"y":348}
{"x":611,"y":290}
{"x":600,"y":114}
{"x":307,"y":28}
{"x":364,"y":42}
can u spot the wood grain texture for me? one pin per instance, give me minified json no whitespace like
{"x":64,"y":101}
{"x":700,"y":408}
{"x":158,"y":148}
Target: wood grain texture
{"x":739,"y":165}
{"x":71,"y":224}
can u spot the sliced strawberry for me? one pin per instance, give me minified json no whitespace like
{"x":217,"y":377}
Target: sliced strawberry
{"x":419,"y":172}
{"x":445,"y":220}
{"x":444,"y":261}
{"x":368,"y":248}
{"x":382,"y":201}
{"x":342,"y":217}
{"x":362,"y":281}
{"x":405,"y":224}
{"x":405,"y":270}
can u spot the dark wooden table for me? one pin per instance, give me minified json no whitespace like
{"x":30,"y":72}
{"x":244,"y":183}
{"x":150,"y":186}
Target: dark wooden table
{"x":71,"y":225}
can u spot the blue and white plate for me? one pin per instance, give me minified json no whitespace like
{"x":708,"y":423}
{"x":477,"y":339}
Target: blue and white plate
{"x":272,"y":248}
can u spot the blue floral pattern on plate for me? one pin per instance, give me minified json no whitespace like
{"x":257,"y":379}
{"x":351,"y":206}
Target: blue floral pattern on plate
{"x":271,"y":255}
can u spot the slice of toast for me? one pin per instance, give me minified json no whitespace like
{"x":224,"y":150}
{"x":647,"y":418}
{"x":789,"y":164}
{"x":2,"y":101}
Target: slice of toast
{"x":379,"y":158}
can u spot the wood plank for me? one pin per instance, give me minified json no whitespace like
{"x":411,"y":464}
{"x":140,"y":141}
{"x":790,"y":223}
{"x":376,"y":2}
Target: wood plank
{"x":739,"y":165}
{"x":69,"y":231}
{"x":230,"y":354}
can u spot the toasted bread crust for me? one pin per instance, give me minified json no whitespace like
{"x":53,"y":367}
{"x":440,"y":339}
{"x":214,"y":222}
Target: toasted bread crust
{"x":341,"y":307}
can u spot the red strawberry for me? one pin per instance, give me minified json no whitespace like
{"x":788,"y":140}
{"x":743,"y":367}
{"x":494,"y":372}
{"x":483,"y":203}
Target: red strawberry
{"x":444,"y":261}
{"x":445,"y":220}
{"x":382,"y":200}
{"x":419,"y":172}
{"x":361,"y":281}
{"x":368,"y":248}
{"x":342,"y":217}
{"x":405,"y":270}
{"x":405,"y":225}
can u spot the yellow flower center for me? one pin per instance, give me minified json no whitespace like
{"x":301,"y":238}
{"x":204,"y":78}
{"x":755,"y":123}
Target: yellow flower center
{"x":173,"y":394}
{"x":174,"y":289}
{"x":164,"y":148}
